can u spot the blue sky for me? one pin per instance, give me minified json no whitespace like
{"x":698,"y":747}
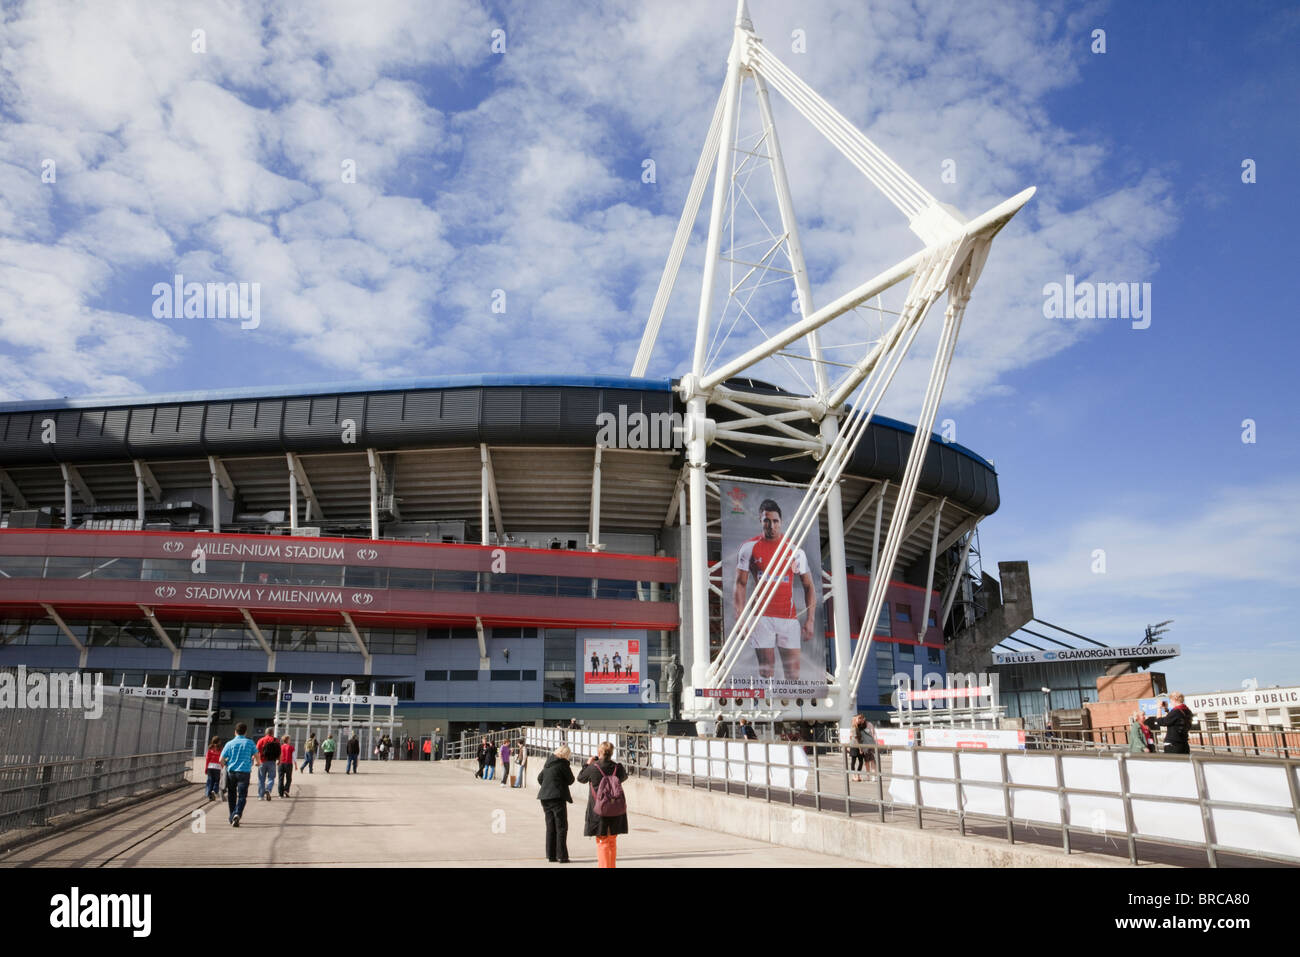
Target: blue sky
{"x":521,"y":171}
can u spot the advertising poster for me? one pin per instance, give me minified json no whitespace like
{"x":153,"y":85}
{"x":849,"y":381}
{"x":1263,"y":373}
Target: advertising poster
{"x":611,"y":665}
{"x":785,"y":651}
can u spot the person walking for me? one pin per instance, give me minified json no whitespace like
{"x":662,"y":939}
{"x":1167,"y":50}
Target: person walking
{"x":309,"y":753}
{"x":747,"y":730}
{"x":286,"y":765}
{"x":490,"y":771}
{"x":237,"y":756}
{"x":213,"y":767}
{"x":606,"y":805}
{"x":553,"y":791}
{"x":354,"y":754}
{"x":268,"y":750}
{"x":327,"y":749}
{"x":481,"y":773}
{"x":263,"y":788}
{"x":438,"y":742}
{"x":520,"y":766}
{"x":505,"y":764}
{"x":860,"y":753}
{"x":720,"y":727}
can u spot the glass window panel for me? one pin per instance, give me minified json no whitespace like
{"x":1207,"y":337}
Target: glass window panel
{"x":22,"y":566}
{"x":221,"y":572}
{"x":537,"y":585}
{"x":573,"y":587}
{"x":120,"y":568}
{"x":421,"y":578}
{"x":504,"y":584}
{"x":323,"y":575}
{"x":364,"y":576}
{"x":166,"y":569}
{"x":267,"y":573}
{"x":58,"y":566}
{"x":453,"y":580}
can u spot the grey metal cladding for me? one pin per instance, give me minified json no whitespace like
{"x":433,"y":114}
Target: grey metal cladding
{"x":502,"y":415}
{"x":252,"y":426}
{"x":166,"y":430}
{"x":506,"y":415}
{"x":20,"y":439}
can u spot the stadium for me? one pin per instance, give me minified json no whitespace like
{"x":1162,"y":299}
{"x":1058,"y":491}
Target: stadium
{"x":457,"y":542}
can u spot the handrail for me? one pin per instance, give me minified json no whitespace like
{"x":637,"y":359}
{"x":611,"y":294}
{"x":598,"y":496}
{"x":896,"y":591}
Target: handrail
{"x":796,"y":773}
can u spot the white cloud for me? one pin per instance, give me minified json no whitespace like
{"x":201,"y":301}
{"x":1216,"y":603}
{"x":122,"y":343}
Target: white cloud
{"x":519,"y":171}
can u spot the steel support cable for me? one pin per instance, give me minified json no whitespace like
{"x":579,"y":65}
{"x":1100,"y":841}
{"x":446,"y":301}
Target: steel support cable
{"x":834,"y":462}
{"x":814,"y":500}
{"x":923,"y":284}
{"x":904,"y":191}
{"x":681,"y":239}
{"x":921,"y":296}
{"x":832,"y":467}
{"x":959,"y":294}
{"x":903,"y":502}
{"x":868,"y":151}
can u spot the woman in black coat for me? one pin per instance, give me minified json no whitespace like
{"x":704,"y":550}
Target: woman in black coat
{"x":604,"y":829}
{"x":553,"y":791}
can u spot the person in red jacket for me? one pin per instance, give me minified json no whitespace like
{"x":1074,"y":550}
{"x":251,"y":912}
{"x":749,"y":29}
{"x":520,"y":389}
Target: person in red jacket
{"x":286,"y":765}
{"x":213,"y":767}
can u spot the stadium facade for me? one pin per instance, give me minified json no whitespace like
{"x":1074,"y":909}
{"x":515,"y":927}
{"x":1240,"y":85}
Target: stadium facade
{"x":463,"y":542}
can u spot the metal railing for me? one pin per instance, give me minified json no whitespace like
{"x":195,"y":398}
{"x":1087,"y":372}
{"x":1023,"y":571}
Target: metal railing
{"x":1246,"y":740}
{"x":33,"y":795}
{"x":1212,"y":803}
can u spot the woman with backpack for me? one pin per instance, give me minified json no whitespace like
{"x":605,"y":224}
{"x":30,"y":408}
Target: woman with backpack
{"x":606,"y":805}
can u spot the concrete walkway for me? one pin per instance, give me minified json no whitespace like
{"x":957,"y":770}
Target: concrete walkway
{"x":391,"y":814}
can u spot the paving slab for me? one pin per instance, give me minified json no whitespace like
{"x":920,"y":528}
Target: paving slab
{"x":390,"y":814}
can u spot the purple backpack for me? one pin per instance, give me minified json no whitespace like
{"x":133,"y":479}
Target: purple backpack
{"x":610,"y":801}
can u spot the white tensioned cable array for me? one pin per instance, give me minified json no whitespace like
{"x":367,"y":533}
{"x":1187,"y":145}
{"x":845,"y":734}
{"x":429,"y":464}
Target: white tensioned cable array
{"x":959,"y":291}
{"x":927,"y":286}
{"x":890,"y":178}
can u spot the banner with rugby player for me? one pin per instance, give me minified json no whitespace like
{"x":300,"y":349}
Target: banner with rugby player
{"x":785,"y":654}
{"x":611,"y":665}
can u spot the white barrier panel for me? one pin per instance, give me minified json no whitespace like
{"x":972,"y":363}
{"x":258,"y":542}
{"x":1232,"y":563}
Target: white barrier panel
{"x":981,"y":767}
{"x":1036,"y":769}
{"x":1256,"y":831}
{"x":895,"y":737}
{"x":726,"y":760}
{"x":1178,"y":821}
{"x":900,"y":790}
{"x":1243,"y":784}
{"x":1092,"y":773}
{"x":937,"y":764}
{"x":972,"y":738}
{"x":1252,"y":830}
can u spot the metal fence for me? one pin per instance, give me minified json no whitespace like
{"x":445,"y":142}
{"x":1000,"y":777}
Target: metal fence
{"x":1216,"y":804}
{"x":57,"y":761}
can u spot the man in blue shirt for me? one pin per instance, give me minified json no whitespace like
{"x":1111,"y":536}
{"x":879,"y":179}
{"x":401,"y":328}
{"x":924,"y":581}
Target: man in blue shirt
{"x":237,"y":756}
